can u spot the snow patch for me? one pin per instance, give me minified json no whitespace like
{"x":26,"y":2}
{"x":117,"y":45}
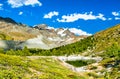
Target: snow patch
{"x":70,"y":39}
{"x":54,"y":39}
{"x":61,"y":33}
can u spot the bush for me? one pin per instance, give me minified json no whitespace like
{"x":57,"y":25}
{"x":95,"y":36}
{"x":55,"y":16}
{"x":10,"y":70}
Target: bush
{"x":79,"y":63}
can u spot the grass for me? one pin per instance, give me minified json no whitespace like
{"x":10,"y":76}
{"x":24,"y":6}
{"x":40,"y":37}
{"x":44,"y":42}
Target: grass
{"x":16,"y":67}
{"x":80,"y":63}
{"x":4,"y":36}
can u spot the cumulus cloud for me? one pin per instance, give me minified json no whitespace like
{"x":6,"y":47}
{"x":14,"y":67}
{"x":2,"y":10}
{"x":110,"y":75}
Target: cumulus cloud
{"x":20,"y":13}
{"x":49,"y":27}
{"x":1,"y":6}
{"x":51,"y":14}
{"x":20,"y":3}
{"x":73,"y":30}
{"x":79,"y":31}
{"x":109,"y":18}
{"x":116,"y":13}
{"x":117,"y":18}
{"x":77,"y":16}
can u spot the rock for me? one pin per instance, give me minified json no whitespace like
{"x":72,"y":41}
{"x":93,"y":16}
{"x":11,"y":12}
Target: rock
{"x":29,"y":36}
{"x":8,"y":20}
{"x":41,"y":26}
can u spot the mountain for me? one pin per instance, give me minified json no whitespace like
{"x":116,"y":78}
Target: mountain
{"x":38,"y":36}
{"x":94,"y":57}
{"x":8,"y":20}
{"x":94,"y":44}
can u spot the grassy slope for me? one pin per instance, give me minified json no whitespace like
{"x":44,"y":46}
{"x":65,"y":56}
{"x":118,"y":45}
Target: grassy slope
{"x":4,"y":36}
{"x":106,"y":38}
{"x":16,"y":67}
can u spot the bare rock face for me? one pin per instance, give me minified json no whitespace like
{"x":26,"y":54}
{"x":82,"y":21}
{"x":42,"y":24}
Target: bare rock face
{"x":68,"y":33}
{"x":41,"y":26}
{"x":8,"y":20}
{"x":38,"y":36}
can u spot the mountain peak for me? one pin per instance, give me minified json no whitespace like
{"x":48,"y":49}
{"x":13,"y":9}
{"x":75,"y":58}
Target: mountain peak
{"x":41,"y":26}
{"x":8,"y":20}
{"x":48,"y":37}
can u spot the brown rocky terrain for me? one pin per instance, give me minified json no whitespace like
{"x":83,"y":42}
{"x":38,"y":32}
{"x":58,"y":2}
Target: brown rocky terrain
{"x":38,"y":36}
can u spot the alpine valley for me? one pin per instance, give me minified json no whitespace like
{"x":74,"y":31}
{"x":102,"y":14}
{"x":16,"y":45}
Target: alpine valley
{"x":40,"y":52}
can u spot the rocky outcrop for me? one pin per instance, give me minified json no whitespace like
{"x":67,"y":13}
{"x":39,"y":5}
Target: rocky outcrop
{"x":8,"y":20}
{"x":9,"y":44}
{"x":41,"y":26}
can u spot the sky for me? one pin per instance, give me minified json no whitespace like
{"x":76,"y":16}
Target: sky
{"x":83,"y":17}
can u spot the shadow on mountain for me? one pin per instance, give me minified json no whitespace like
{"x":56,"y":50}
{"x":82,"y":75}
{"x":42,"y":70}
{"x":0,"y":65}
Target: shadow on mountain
{"x":8,"y":20}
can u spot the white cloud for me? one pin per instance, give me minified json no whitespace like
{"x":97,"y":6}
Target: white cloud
{"x":51,"y":14}
{"x":79,"y":31}
{"x":109,"y":18}
{"x":116,"y":13}
{"x":33,"y":2}
{"x":20,"y":13}
{"x":77,"y":16}
{"x":49,"y":27}
{"x":100,"y":16}
{"x":117,"y":18}
{"x":73,"y":30}
{"x":1,"y":6}
{"x":20,"y":3}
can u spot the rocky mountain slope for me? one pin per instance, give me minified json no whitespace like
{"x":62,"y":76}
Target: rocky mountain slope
{"x":38,"y":36}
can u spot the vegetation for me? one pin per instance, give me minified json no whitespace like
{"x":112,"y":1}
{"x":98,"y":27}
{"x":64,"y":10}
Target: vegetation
{"x":15,"y":67}
{"x":112,"y":52}
{"x":4,"y":37}
{"x":112,"y":59}
{"x":79,"y":63}
{"x":106,"y":38}
{"x":105,"y":44}
{"x":75,"y":48}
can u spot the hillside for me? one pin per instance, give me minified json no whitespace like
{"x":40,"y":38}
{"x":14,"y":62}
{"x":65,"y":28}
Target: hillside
{"x":106,"y":38}
{"x":15,"y":67}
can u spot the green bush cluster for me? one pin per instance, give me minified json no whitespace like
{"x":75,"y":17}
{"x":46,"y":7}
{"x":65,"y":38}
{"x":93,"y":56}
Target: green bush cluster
{"x":75,"y":48}
{"x":112,"y":52}
{"x":112,"y":58}
{"x":79,"y":63}
{"x":4,"y":37}
{"x":23,"y":52}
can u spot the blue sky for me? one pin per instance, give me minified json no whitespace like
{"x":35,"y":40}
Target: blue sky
{"x":82,"y":16}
